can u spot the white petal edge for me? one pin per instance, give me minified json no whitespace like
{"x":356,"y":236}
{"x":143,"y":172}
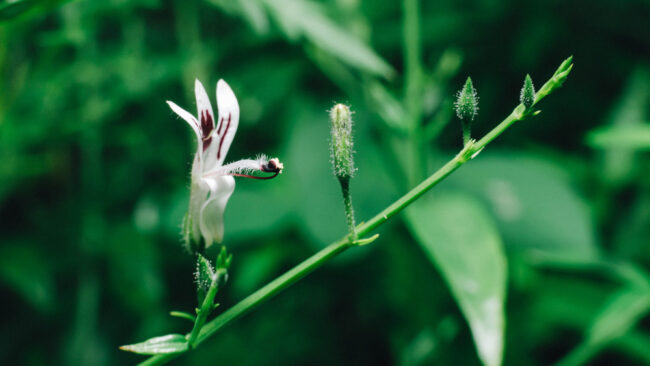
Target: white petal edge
{"x":202,"y":104}
{"x":228,"y":116}
{"x":212,"y":211}
{"x":189,"y":118}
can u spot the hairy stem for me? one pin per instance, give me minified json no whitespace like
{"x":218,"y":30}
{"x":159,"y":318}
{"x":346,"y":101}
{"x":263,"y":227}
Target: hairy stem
{"x":349,"y":210}
{"x":205,"y":310}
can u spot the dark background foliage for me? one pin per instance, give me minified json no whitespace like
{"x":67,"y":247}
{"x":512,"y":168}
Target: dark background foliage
{"x":94,"y":172}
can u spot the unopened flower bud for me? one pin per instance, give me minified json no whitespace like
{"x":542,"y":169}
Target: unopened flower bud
{"x":527,"y":95}
{"x":557,"y":80}
{"x":467,"y":102}
{"x":204,"y":274}
{"x":467,"y":108}
{"x":341,"y":143}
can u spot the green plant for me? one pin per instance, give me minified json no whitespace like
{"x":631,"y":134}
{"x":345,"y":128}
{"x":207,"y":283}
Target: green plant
{"x":167,"y":347}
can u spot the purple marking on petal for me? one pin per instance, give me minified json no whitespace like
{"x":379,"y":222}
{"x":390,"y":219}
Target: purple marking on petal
{"x":206,"y":143}
{"x":225,"y":132}
{"x":207,"y":124}
{"x":220,"y":125}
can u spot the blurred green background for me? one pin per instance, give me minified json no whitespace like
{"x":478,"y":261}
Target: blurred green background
{"x":94,"y":179}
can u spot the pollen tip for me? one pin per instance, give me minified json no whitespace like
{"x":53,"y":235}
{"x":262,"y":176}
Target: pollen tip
{"x":278,"y":164}
{"x":273,"y":165}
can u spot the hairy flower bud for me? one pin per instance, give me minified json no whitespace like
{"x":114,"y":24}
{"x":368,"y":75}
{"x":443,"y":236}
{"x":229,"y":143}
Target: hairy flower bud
{"x":467,"y":102}
{"x":341,"y":142}
{"x":527,"y":95}
{"x":204,"y":274}
{"x":467,"y":108}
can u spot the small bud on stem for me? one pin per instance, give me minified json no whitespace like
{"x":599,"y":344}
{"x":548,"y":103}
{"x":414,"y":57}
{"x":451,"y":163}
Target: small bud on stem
{"x":527,"y":95}
{"x":467,"y":108}
{"x":341,"y":144}
{"x":556,"y":81}
{"x":342,"y":158}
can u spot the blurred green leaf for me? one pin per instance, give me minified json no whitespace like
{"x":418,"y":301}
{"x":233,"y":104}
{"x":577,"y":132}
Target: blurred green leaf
{"x":461,"y":240}
{"x":387,"y":106}
{"x":250,"y":10}
{"x":11,"y":9}
{"x":619,"y":314}
{"x":170,"y":343}
{"x":29,"y":273}
{"x":254,"y":13}
{"x":134,"y":268}
{"x":624,"y":126}
{"x":305,"y":18}
{"x":633,"y":137}
{"x":533,"y":201}
{"x":615,"y":319}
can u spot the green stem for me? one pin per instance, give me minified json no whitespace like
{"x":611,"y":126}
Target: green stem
{"x":204,"y":311}
{"x":259,"y":296}
{"x":467,"y":132}
{"x":349,"y":210}
{"x":318,"y":259}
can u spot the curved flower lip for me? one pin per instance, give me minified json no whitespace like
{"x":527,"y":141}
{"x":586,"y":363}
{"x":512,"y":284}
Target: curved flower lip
{"x":245,"y":168}
{"x":212,"y":182}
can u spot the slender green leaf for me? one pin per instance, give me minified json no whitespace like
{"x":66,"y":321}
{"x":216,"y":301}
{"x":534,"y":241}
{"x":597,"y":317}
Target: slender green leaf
{"x":533,"y":201}
{"x":305,"y":18}
{"x":183,"y":315}
{"x":460,"y":238}
{"x":170,"y":343}
{"x":615,"y":319}
{"x":619,"y":314}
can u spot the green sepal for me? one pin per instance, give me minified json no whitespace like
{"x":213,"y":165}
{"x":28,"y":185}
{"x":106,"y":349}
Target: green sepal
{"x":223,"y":259}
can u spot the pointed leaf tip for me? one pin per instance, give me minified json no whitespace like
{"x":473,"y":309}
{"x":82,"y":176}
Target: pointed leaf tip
{"x":170,"y":343}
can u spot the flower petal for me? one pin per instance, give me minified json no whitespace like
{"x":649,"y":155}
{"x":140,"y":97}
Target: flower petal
{"x":245,"y":167}
{"x":204,"y":109}
{"x":228,"y":119}
{"x":198,"y":196}
{"x":190,"y":119}
{"x":212,"y":211}
{"x":240,"y":166}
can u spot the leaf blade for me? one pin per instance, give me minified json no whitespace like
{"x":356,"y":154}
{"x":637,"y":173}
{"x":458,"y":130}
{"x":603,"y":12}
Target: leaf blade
{"x":471,"y":260}
{"x":170,"y":343}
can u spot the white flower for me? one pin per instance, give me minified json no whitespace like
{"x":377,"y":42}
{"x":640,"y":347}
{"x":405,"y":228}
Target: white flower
{"x":213,"y":182}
